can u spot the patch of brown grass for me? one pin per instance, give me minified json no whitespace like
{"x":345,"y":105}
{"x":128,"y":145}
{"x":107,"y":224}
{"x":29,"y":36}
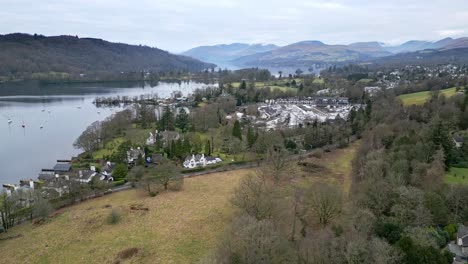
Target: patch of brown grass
{"x":332,"y":167}
{"x":127,"y":254}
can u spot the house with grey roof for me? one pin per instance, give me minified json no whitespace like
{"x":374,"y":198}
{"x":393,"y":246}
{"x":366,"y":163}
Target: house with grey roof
{"x":458,"y":140}
{"x":62,"y":167}
{"x":460,"y":246}
{"x":133,"y":155}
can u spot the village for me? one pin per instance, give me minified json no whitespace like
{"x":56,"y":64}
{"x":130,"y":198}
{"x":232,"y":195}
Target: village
{"x":271,"y":115}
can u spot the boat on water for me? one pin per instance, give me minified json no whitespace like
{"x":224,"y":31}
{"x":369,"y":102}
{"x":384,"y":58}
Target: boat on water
{"x":23,"y":125}
{"x":9,"y":121}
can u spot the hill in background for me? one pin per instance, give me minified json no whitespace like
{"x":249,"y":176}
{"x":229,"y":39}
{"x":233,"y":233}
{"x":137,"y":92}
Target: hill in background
{"x":306,"y":53}
{"x":26,"y":56}
{"x":225,"y":53}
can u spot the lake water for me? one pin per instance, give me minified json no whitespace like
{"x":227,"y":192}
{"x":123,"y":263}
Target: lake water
{"x":63,"y":111}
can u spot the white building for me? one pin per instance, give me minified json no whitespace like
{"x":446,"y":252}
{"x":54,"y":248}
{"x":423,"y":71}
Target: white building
{"x":198,"y":160}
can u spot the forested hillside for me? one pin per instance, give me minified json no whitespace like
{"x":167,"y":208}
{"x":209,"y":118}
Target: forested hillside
{"x":39,"y":57}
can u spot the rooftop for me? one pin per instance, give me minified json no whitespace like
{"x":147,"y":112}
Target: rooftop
{"x":62,"y":167}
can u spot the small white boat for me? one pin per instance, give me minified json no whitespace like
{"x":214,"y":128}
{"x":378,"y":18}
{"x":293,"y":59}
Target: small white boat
{"x":9,"y":121}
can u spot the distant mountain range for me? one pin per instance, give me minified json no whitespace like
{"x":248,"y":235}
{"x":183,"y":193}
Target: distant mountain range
{"x":23,"y":55}
{"x":305,"y":53}
{"x":226,"y":53}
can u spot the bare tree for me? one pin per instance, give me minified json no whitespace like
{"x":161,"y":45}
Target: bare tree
{"x":90,"y":139}
{"x":167,"y":173}
{"x":255,"y":197}
{"x":324,"y":202}
{"x":277,"y":162}
{"x":253,"y":241}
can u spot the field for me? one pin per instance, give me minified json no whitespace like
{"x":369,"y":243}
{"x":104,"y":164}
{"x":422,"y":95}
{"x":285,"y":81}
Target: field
{"x":457,"y":176}
{"x":278,"y":85}
{"x":422,"y":97}
{"x":180,"y":227}
{"x":332,"y":167}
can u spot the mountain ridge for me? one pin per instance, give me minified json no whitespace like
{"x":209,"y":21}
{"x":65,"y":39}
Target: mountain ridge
{"x":23,"y":55}
{"x":313,"y":51}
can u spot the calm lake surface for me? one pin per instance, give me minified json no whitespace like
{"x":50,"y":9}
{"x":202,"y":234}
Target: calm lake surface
{"x":63,"y":111}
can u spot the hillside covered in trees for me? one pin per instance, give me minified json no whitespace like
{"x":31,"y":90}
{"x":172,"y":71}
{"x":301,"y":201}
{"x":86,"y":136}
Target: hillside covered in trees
{"x":61,"y":57}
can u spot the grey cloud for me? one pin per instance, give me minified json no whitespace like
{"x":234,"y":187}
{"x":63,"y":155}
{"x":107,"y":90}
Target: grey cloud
{"x":177,"y":25}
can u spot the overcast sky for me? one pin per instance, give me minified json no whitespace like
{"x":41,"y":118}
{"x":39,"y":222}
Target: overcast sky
{"x":177,"y":25}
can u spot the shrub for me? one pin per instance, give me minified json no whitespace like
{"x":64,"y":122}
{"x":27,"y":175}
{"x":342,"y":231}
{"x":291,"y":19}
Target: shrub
{"x":153,"y":194}
{"x":128,"y":253}
{"x":318,"y":153}
{"x":176,"y":184}
{"x":42,"y":208}
{"x":451,"y":229}
{"x":193,"y":170}
{"x":119,"y":183}
{"x":114,"y":217}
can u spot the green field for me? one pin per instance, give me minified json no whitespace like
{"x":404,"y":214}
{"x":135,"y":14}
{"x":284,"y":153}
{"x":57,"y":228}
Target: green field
{"x":422,"y":97}
{"x":457,"y":176}
{"x":277,"y":85}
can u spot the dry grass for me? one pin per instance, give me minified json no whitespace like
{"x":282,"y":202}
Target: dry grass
{"x":332,"y":167}
{"x":178,"y":227}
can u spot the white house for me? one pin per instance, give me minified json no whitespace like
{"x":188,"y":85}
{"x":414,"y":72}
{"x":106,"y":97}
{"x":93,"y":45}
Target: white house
{"x":199,"y":161}
{"x":134,"y":154}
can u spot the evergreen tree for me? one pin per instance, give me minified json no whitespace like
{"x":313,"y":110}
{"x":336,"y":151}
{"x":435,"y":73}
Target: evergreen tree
{"x":187,"y":148}
{"x":167,"y":120}
{"x":251,"y":137}
{"x":243,"y":85}
{"x":182,"y":120}
{"x":208,"y":148}
{"x":236,"y":130}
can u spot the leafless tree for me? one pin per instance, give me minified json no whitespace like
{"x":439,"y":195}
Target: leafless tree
{"x":324,"y":202}
{"x":255,"y":197}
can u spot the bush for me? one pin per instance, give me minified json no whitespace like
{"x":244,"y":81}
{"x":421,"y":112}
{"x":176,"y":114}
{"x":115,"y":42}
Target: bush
{"x":119,"y":183}
{"x":153,"y":194}
{"x":128,"y":253}
{"x":176,"y":184}
{"x":114,"y":217}
{"x":42,"y":208}
{"x":462,"y":164}
{"x":239,"y":162}
{"x":193,"y":170}
{"x":451,"y":229}
{"x":318,"y":153}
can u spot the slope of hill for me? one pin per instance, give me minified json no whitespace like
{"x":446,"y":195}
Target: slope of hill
{"x":178,"y":227}
{"x":309,"y":52}
{"x":224,"y":53}
{"x":426,"y":57}
{"x":409,"y":46}
{"x":456,"y":44}
{"x":22,"y":55}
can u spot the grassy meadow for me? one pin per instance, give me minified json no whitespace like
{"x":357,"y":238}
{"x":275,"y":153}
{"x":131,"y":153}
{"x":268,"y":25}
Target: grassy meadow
{"x":457,"y":176}
{"x":420,"y":98}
